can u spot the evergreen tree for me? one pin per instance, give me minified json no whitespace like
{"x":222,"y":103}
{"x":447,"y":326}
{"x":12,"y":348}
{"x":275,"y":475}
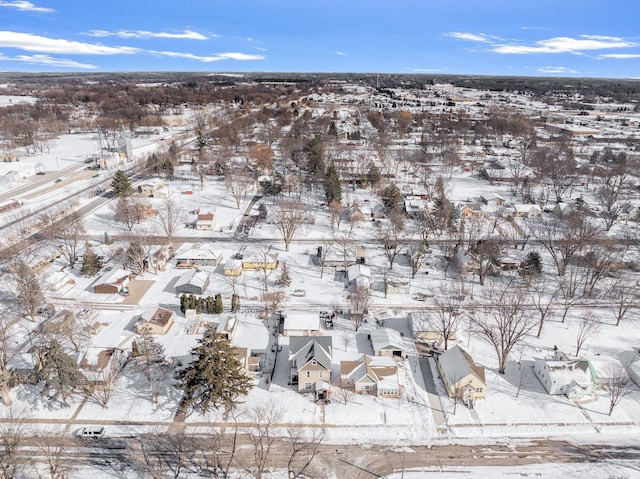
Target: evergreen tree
{"x":315,"y":155}
{"x":235,"y":303}
{"x":218,"y":306}
{"x":373,"y":176}
{"x":533,"y":264}
{"x":121,"y":184}
{"x":183,"y":302}
{"x":58,"y":371}
{"x":91,"y":264}
{"x":332,"y":131}
{"x":200,"y":305}
{"x":215,"y":378}
{"x":107,"y":239}
{"x":391,"y":198}
{"x":333,"y":188}
{"x":285,"y":278}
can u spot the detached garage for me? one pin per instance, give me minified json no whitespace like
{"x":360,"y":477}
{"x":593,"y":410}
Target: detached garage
{"x":112,"y":282}
{"x":193,"y":282}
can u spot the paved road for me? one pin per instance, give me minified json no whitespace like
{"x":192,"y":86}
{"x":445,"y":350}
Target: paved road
{"x":353,"y":461}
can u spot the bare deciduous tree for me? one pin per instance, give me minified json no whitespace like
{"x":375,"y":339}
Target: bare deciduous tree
{"x":587,"y":327}
{"x":304,"y":447}
{"x":12,"y":438}
{"x":564,"y":237}
{"x":289,"y":216}
{"x":7,"y":352}
{"x":54,"y":449}
{"x":447,"y":313}
{"x":262,"y":435}
{"x":390,"y":236}
{"x":504,"y":322}
{"x":617,"y":384}
{"x":623,"y":298}
{"x":358,"y":304}
{"x":238,"y":184}
{"x":169,"y":217}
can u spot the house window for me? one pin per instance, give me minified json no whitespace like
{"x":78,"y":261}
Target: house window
{"x":307,"y":386}
{"x":320,"y":374}
{"x":478,"y":390}
{"x":365,"y":387}
{"x":308,"y":374}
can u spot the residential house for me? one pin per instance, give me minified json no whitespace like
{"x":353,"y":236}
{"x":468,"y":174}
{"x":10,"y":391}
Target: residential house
{"x":462,"y":378}
{"x":250,"y":364}
{"x":193,"y":281}
{"x":631,"y":361}
{"x":149,"y":187}
{"x":310,"y":361}
{"x":233,"y":267}
{"x":373,"y":375}
{"x":205,"y":221}
{"x":527,"y":211}
{"x":157,"y":321}
{"x":507,"y":262}
{"x":359,"y":275}
{"x":387,"y":342}
{"x":492,"y":200}
{"x":497,"y":175}
{"x":227,"y":327}
{"x":260,"y":261}
{"x":302,"y":324}
{"x":470,"y":210}
{"x":102,"y":365}
{"x":198,"y":255}
{"x":414,"y":207}
{"x":574,"y":378}
{"x":112,"y":281}
{"x":55,"y":281}
{"x":563,"y":209}
{"x":426,"y":327}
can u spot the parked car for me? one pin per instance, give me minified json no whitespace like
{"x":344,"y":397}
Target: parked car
{"x":124,"y":291}
{"x":94,"y":432}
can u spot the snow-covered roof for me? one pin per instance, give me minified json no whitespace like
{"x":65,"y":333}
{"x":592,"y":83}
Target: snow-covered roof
{"x":304,"y":348}
{"x":302,"y":321}
{"x":567,"y":372}
{"x":456,"y":364}
{"x":199,"y":252}
{"x":356,"y":270}
{"x":193,"y":277}
{"x":385,"y":338}
{"x":115,"y":277}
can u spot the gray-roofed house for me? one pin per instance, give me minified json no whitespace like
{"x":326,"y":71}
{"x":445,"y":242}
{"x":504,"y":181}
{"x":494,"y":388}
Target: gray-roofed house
{"x":387,"y":342}
{"x":463,"y":379}
{"x":310,"y":361}
{"x":193,"y":281}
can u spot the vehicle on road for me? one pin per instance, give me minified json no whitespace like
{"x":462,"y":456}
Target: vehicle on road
{"x":94,"y":432}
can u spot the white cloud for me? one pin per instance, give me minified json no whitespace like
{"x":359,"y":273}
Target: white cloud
{"x":213,"y":58}
{"x":47,"y":60}
{"x":565,"y":45}
{"x":341,"y":54}
{"x":184,"y":35}
{"x":556,"y":70}
{"x":473,"y":37}
{"x":37,"y":43}
{"x":620,"y":56}
{"x":260,"y":49}
{"x":426,"y":70}
{"x":26,"y":6}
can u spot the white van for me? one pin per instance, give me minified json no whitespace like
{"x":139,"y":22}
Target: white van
{"x":92,"y":431}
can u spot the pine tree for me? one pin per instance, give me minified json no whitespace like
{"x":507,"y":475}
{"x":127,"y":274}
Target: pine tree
{"x":91,"y":264}
{"x":235,"y":303}
{"x":373,"y":176}
{"x":285,"y":278}
{"x":215,"y":378}
{"x":58,"y":370}
{"x":218,"y":306}
{"x":183,"y":302}
{"x":333,"y":188}
{"x":121,"y":184}
{"x":391,"y":198}
{"x":107,"y":239}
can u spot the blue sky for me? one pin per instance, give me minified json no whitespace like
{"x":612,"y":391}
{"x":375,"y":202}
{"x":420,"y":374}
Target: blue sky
{"x":576,"y":38}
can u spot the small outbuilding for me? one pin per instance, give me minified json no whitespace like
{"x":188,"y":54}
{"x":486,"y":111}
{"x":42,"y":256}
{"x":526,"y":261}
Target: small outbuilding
{"x":157,"y":321}
{"x":387,"y":342}
{"x":193,"y":281}
{"x":112,"y":281}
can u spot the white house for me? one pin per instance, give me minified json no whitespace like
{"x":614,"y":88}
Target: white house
{"x":387,"y":342}
{"x":56,"y":280}
{"x":574,"y":378}
{"x":359,"y":275}
{"x":198,"y":255}
{"x":302,"y":324}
